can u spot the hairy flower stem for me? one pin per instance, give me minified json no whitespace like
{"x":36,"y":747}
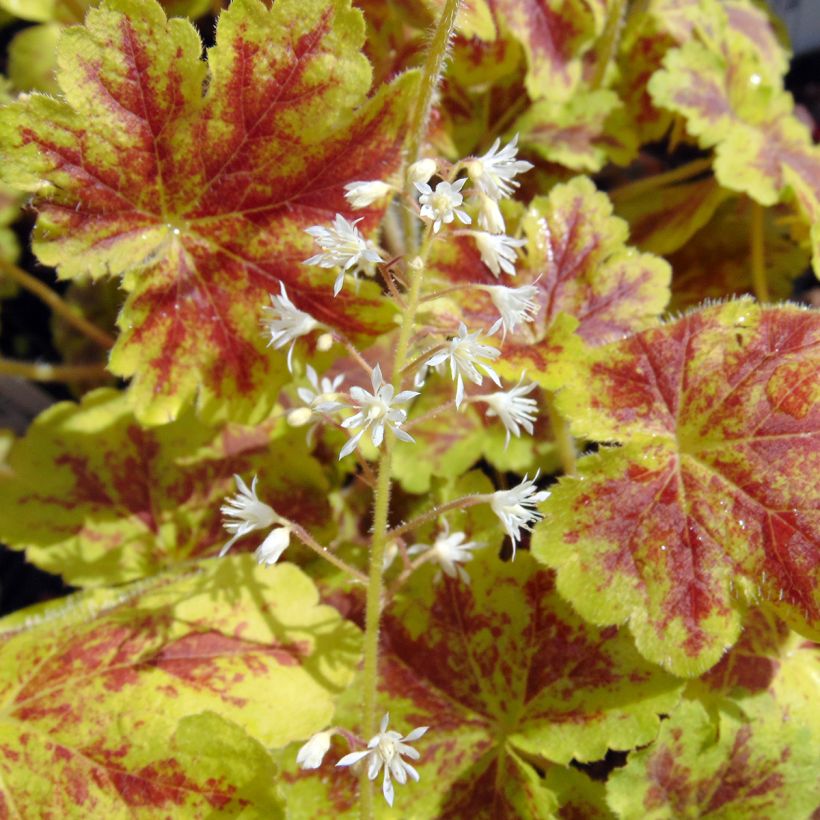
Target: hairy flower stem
{"x":758,"y":254}
{"x":381,"y":512}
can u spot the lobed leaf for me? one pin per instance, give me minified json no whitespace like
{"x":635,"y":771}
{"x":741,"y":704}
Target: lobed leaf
{"x":99,"y":499}
{"x":710,"y":503}
{"x":199,"y":201}
{"x":503,"y":672}
{"x":109,"y":696}
{"x":762,"y":766}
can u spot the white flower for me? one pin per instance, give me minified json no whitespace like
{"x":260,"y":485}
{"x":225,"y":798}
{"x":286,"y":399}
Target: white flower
{"x":497,"y":251}
{"x":248,"y":512}
{"x":464,"y":353}
{"x":513,"y":409}
{"x":311,"y":755}
{"x":422,"y":170}
{"x":386,"y":749}
{"x":324,"y":398}
{"x":494,"y":172}
{"x":375,"y":411}
{"x":285,"y":322}
{"x":516,"y":507}
{"x":442,"y":205}
{"x":514,"y":304}
{"x":271,"y":549}
{"x":449,"y":550}
{"x":362,"y":194}
{"x":343,"y":246}
{"x":489,"y":214}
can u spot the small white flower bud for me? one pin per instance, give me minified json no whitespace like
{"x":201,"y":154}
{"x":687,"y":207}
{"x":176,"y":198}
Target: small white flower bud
{"x":299,"y":416}
{"x":362,"y":194}
{"x":416,"y":263}
{"x":324,"y":342}
{"x":311,"y":755}
{"x":421,"y":171}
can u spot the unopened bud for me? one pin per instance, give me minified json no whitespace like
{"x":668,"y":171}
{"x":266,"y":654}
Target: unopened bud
{"x":362,"y":194}
{"x":324,"y":342}
{"x":299,"y":417}
{"x":489,"y":215}
{"x":421,"y":171}
{"x":416,"y":263}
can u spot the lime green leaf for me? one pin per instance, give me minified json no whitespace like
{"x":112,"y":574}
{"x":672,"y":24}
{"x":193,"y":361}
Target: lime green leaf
{"x":728,"y":85}
{"x":711,"y":501}
{"x":746,"y":768}
{"x":200,"y":202}
{"x":570,"y":132}
{"x":716,"y":261}
{"x":96,"y":498}
{"x":556,"y":37}
{"x":109,"y":695}
{"x":73,"y":11}
{"x":501,"y":670}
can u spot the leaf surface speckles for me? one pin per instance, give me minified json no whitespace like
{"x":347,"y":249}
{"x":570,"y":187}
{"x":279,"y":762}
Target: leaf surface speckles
{"x":710,"y":503}
{"x":137,"y":500}
{"x":110,"y":696}
{"x":199,"y":201}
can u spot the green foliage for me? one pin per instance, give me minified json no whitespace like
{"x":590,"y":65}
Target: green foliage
{"x":646,"y":652}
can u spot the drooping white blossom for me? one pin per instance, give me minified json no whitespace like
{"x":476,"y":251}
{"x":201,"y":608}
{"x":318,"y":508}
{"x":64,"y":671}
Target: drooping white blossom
{"x":244,"y":513}
{"x":442,"y":205}
{"x":375,"y":411}
{"x":311,"y":755}
{"x":513,"y":408}
{"x":363,"y":194}
{"x":466,"y":354}
{"x":386,"y":749}
{"x":284,"y":323}
{"x":422,"y":170}
{"x":271,"y":549}
{"x":343,"y":246}
{"x":494,"y":172}
{"x":516,"y":507}
{"x":497,"y":251}
{"x":490,"y":217}
{"x":516,"y":306}
{"x":449,"y":552}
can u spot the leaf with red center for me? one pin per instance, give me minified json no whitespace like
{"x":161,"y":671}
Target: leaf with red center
{"x":763,"y":765}
{"x":99,"y":499}
{"x":728,"y":86}
{"x":163,"y":697}
{"x":502,"y":671}
{"x":200,"y":201}
{"x":556,"y":37}
{"x":711,"y":501}
{"x":572,"y":132}
{"x":578,"y":260}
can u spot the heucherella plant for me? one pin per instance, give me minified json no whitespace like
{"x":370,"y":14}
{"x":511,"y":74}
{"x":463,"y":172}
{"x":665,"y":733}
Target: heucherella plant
{"x":462,"y":463}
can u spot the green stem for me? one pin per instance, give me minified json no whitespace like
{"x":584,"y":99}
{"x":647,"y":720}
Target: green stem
{"x":608,"y":43}
{"x":564,"y":441}
{"x":758,"y":254}
{"x":432,"y":514}
{"x":431,"y":76}
{"x":52,"y":372}
{"x":57,"y":304}
{"x":643,"y":186}
{"x":381,"y":510}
